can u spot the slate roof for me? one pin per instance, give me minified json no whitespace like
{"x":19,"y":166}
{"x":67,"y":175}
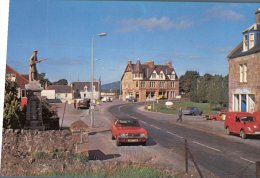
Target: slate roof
{"x":20,"y":80}
{"x":147,"y":69}
{"x":60,"y":88}
{"x":238,"y":51}
{"x":80,"y":85}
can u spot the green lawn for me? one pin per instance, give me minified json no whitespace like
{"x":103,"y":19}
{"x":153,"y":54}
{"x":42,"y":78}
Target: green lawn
{"x":128,"y":171}
{"x":160,"y":107}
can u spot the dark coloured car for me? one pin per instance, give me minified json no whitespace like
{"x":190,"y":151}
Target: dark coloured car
{"x":83,"y":104}
{"x":192,"y":111}
{"x":132,"y":99}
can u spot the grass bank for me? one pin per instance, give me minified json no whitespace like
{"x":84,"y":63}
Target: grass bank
{"x":125,"y":171}
{"x":160,"y":107}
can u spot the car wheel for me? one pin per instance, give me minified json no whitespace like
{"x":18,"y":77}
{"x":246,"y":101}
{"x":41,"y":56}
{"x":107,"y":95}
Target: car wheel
{"x":144,"y":143}
{"x":113,"y":138}
{"x":118,"y":143}
{"x":227,"y":131}
{"x":243,"y":134}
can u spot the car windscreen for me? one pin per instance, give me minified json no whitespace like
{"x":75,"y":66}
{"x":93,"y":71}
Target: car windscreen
{"x":128,"y":123}
{"x":248,"y":119}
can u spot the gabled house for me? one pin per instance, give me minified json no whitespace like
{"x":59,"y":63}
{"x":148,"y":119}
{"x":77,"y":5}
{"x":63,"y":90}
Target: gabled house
{"x":21,"y":81}
{"x":81,"y":90}
{"x":61,"y":92}
{"x":244,"y":71}
{"x":148,"y":80}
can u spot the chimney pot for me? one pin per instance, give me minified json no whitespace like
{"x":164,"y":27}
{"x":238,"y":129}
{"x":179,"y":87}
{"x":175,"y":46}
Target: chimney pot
{"x":257,"y":15}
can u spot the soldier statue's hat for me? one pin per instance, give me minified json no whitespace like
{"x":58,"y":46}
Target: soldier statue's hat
{"x":35,"y":50}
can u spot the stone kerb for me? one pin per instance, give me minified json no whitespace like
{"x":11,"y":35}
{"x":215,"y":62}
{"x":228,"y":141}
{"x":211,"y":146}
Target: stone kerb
{"x":79,"y":132}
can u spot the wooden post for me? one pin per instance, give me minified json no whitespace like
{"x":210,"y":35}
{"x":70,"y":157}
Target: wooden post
{"x":258,"y":169}
{"x":186,"y":157}
{"x":195,"y":164}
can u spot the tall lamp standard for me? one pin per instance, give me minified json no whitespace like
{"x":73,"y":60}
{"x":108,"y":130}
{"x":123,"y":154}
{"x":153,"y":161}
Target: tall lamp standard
{"x":92,"y":80}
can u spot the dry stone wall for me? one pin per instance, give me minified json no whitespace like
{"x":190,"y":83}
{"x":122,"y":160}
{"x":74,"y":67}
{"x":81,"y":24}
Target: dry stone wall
{"x":21,"y":148}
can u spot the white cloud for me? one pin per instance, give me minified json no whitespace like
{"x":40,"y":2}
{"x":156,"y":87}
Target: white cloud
{"x":149,"y":24}
{"x":224,"y":13}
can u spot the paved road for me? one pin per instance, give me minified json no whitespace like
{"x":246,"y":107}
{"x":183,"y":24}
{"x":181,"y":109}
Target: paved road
{"x":222,"y":156}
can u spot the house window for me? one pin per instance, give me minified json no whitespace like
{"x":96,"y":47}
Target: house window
{"x":142,"y":84}
{"x":251,"y":40}
{"x":154,"y":75}
{"x":245,"y":43}
{"x":136,"y":84}
{"x":172,"y":84}
{"x":161,"y":75}
{"x":243,"y":73}
{"x":152,"y":84}
{"x":161,"y":84}
{"x":23,"y":93}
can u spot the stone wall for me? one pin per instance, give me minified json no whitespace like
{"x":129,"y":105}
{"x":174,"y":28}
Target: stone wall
{"x":20,"y":148}
{"x":253,"y":80}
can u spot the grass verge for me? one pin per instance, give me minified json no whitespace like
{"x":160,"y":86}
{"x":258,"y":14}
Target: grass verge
{"x":121,"y":171}
{"x":160,"y":107}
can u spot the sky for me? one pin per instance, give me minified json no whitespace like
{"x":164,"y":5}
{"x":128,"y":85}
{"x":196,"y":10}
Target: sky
{"x":194,"y":36}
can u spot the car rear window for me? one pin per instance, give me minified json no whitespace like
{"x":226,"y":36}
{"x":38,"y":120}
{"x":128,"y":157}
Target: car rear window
{"x":128,"y":123}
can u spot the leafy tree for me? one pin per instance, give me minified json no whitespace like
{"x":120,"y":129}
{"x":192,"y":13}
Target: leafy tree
{"x":60,"y":82}
{"x":14,"y":118}
{"x":188,"y":80}
{"x":43,"y":80}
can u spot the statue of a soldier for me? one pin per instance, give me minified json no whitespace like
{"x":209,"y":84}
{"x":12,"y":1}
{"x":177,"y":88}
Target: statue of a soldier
{"x":32,"y":66}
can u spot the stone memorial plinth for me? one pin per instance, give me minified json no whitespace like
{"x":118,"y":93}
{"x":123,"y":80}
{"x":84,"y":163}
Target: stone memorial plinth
{"x":34,"y":106}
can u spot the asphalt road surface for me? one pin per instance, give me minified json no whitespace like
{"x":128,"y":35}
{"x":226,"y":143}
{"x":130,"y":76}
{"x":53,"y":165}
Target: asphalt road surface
{"x":223,"y":157}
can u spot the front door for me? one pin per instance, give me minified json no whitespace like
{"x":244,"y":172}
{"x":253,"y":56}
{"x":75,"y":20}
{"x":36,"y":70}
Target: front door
{"x":243,"y":103}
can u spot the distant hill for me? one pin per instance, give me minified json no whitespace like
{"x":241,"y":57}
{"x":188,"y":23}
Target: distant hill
{"x":112,"y":86}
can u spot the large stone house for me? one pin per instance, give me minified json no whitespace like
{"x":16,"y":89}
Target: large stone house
{"x":82,"y":90}
{"x":21,"y":81}
{"x":244,"y":71}
{"x":148,"y":80}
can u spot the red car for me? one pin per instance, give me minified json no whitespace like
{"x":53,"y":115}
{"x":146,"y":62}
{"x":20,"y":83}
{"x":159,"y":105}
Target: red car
{"x":128,"y":131}
{"x":242,"y":123}
{"x":220,"y":116}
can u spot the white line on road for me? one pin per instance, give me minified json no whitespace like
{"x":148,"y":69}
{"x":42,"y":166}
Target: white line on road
{"x":155,"y":126}
{"x":247,"y":160}
{"x":174,"y":134}
{"x":207,"y":146}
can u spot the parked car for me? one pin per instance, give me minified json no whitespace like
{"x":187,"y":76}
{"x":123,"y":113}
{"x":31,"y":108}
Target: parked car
{"x":132,"y":99}
{"x":242,"y":123}
{"x":106,"y":99}
{"x":83,"y":104}
{"x":220,"y":116}
{"x":128,"y":131}
{"x":192,"y":111}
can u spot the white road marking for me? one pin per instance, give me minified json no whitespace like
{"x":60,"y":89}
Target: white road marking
{"x":247,"y":160}
{"x":154,"y":126}
{"x":174,"y":134}
{"x":207,"y":146}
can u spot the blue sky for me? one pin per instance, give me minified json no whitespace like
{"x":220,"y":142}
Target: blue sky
{"x":194,"y":36}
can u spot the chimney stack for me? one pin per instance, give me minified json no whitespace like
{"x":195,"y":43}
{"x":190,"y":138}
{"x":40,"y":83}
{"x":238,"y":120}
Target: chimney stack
{"x":257,"y":16}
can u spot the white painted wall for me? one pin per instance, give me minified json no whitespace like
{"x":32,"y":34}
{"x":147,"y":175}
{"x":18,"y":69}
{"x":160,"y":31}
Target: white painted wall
{"x":50,"y":94}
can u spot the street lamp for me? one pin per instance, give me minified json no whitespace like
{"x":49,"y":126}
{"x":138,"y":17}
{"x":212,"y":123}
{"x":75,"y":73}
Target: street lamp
{"x":92,"y":80}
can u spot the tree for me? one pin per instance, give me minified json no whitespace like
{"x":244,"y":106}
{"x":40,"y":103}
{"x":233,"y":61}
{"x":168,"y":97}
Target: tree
{"x":14,"y":118}
{"x":188,"y":80}
{"x":60,"y":82}
{"x":42,"y":79}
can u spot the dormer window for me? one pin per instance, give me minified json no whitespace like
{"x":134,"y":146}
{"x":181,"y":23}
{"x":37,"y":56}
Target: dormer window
{"x":251,"y":40}
{"x":154,"y":75}
{"x":245,"y":42}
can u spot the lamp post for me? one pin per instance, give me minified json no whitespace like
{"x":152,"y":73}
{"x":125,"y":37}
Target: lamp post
{"x":92,"y":80}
